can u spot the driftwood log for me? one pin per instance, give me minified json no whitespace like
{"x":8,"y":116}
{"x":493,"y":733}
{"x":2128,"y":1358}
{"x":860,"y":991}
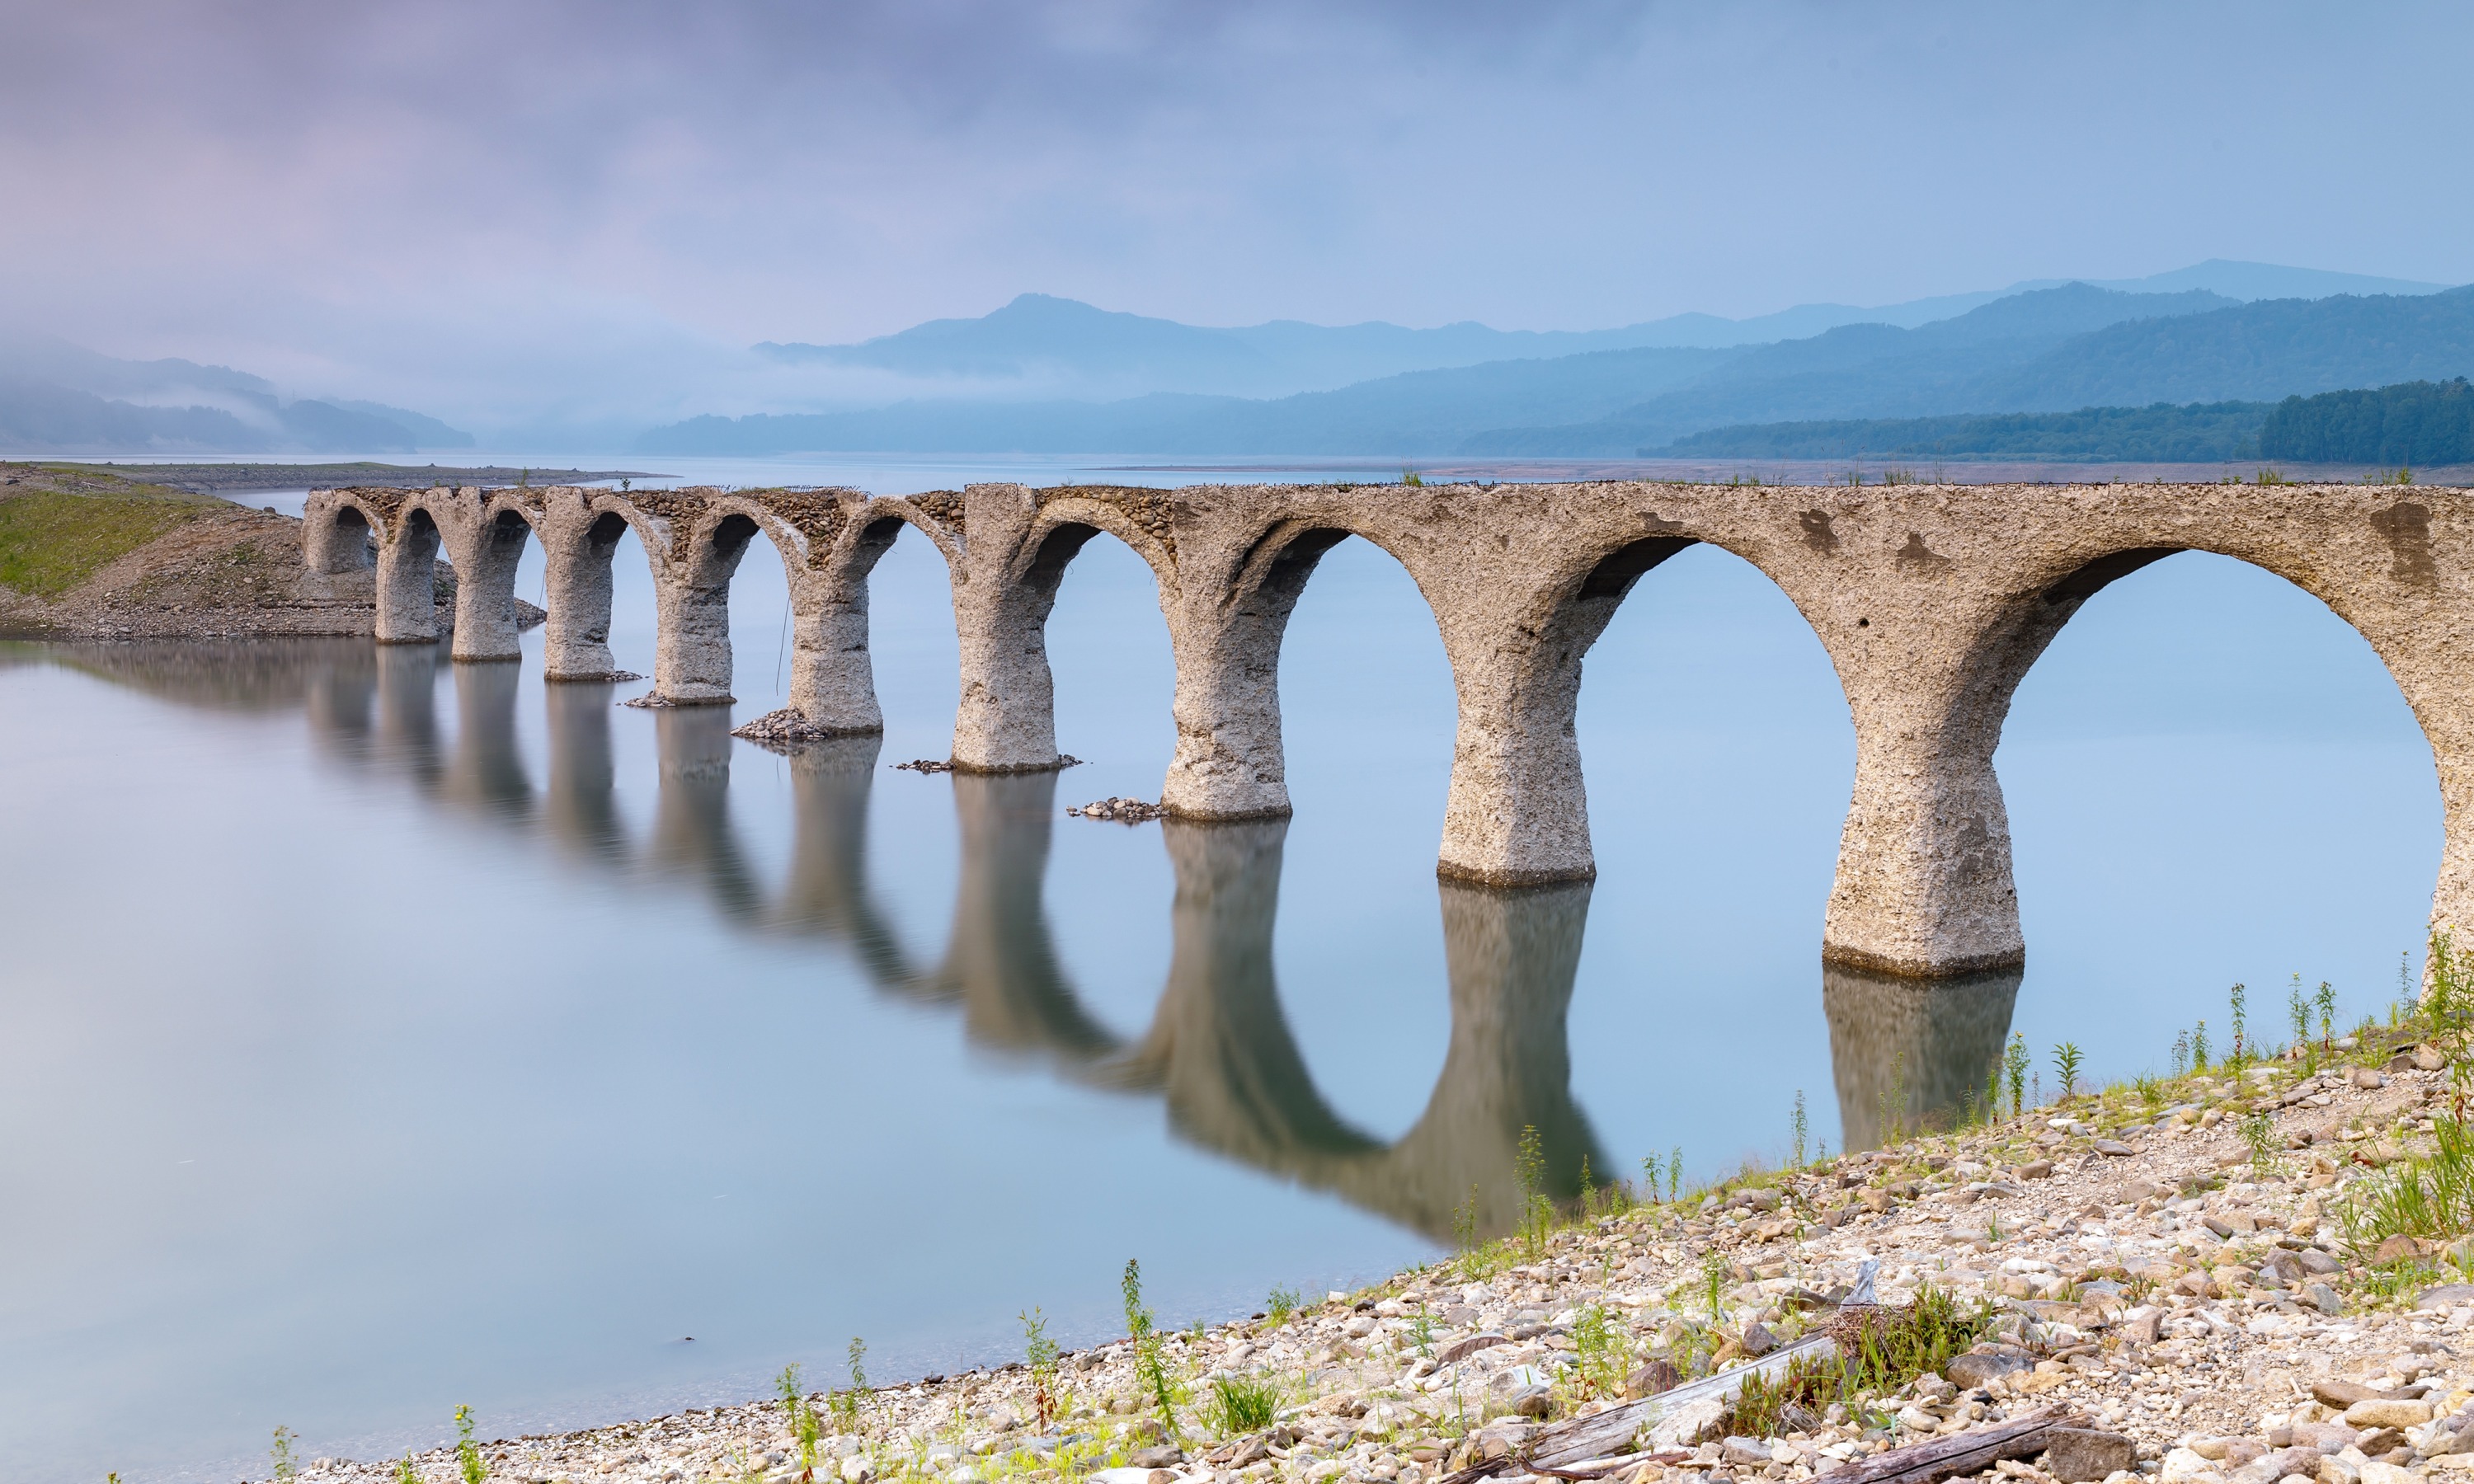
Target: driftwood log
{"x":1571,"y":1450}
{"x":1972,"y":1452}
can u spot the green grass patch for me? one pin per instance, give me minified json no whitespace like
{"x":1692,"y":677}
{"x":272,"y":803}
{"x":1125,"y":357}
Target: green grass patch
{"x":51,"y":541}
{"x":1880,"y":1350}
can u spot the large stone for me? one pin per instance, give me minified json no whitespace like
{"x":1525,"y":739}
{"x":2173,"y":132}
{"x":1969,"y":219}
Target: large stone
{"x":2084,"y":1456}
{"x":1976,"y":1368}
{"x":2381,"y":1413}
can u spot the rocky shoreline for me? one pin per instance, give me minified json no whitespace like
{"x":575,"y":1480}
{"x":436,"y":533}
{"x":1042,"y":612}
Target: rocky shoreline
{"x":2162,"y":1268}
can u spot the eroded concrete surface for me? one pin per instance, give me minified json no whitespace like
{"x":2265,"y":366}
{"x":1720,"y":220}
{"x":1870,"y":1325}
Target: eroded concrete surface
{"x":1933,"y":602}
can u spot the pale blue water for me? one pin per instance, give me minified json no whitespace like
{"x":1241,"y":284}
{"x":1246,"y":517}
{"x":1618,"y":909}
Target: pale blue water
{"x":368,"y":1056}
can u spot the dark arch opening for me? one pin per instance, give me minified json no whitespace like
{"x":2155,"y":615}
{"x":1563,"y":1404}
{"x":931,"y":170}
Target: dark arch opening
{"x":354,"y":542}
{"x":418,"y":523}
{"x":606,"y":532}
{"x":2090,"y":580}
{"x":1613,"y":577}
{"x":731,"y":536}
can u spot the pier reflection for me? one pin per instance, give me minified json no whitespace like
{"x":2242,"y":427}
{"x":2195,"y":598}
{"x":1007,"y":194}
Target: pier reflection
{"x":1219,"y":1051}
{"x":1912,"y":1053}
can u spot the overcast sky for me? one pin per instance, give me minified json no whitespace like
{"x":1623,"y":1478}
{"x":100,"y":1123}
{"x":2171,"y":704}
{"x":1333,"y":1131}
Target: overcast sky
{"x":451,"y":202}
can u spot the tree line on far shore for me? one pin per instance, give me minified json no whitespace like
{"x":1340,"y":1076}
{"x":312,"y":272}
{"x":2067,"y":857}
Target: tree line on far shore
{"x":2425,"y":422}
{"x":2422,"y":424}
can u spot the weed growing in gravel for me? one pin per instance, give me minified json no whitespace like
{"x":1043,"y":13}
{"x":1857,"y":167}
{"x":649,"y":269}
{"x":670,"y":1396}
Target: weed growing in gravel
{"x":1799,"y":1127}
{"x":1597,"y":1355}
{"x":2327,"y":1001}
{"x":1150,"y":1365}
{"x":1040,"y":1354}
{"x":1675,"y":1172}
{"x":1421,"y":1332}
{"x":468,"y":1452}
{"x":801,"y":1417}
{"x":2065,"y":1066}
{"x":1241,"y":1404}
{"x":286,"y":1468}
{"x":845,"y":1404}
{"x":2199,"y":1047}
{"x":2239,"y":1055}
{"x":2423,"y":1196}
{"x":2259,"y":1135}
{"x":1713,"y":1281}
{"x":2014,"y":1066}
{"x":1283,"y":1302}
{"x":1537,"y":1208}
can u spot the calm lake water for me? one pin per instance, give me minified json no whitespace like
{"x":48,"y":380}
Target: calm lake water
{"x":385,"y":1033}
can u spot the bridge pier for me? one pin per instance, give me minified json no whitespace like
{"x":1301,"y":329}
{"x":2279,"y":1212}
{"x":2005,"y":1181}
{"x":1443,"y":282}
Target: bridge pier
{"x":577,"y":545}
{"x":1519,"y":811}
{"x":486,"y":555}
{"x":692,"y":657}
{"x":832,"y":677}
{"x":1230,"y":761}
{"x":408,"y":580}
{"x":1006,"y":721}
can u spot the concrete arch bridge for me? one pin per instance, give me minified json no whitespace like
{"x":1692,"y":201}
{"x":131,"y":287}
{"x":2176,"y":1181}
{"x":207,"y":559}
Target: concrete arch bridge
{"x":1933,"y":602}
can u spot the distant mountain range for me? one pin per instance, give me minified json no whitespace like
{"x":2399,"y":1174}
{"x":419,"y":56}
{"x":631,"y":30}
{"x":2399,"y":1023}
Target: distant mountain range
{"x":56,"y":398}
{"x":2048,"y":350}
{"x":1044,"y":347}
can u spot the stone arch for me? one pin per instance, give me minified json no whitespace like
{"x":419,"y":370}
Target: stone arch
{"x":1018,"y":545}
{"x":1231,"y":760}
{"x":1932,"y":643}
{"x":341,"y":533}
{"x":2005,"y":652}
{"x":1519,"y":811}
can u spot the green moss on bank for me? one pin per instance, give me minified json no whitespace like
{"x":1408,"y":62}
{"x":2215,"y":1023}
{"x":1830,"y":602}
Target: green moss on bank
{"x":52,"y":537}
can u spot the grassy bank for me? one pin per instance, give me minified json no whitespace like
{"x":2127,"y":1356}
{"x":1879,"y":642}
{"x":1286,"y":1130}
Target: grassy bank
{"x":60,"y":524}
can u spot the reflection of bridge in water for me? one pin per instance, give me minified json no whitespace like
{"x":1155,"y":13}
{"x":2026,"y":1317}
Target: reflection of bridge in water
{"x":1218,"y":1051}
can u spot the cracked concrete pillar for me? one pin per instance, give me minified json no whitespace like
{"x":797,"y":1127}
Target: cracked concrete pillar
{"x":691,"y":659}
{"x":1006,"y":721}
{"x":1518,"y":813}
{"x":832,"y":680}
{"x":576,"y":551}
{"x":485,"y":588}
{"x":408,"y":580}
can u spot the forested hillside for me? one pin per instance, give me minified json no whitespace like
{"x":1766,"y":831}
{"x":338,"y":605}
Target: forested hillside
{"x":2424,"y":422}
{"x":2200,"y":433}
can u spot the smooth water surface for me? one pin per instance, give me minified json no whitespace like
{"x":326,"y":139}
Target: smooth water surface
{"x":386,"y":1034}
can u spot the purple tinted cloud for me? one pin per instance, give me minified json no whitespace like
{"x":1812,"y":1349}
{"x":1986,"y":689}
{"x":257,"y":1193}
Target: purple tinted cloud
{"x":468,"y":203}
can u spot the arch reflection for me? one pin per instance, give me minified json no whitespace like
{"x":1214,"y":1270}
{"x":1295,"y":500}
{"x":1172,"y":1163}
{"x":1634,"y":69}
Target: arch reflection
{"x":1218,"y":1051}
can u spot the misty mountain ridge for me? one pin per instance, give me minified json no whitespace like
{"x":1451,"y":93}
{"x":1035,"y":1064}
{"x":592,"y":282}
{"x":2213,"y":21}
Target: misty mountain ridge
{"x":1063,"y":347}
{"x":56,"y":398}
{"x":2259,"y":351}
{"x":1601,"y":402}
